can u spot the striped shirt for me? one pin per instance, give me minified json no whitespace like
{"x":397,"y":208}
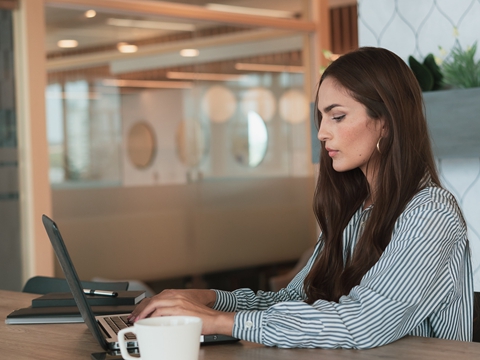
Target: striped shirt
{"x":421,"y":285}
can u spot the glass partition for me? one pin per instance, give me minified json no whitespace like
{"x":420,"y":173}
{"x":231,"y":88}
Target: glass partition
{"x":221,"y":100}
{"x":187,"y":137}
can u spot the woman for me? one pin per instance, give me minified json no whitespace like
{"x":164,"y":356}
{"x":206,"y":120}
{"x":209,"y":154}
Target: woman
{"x":393,"y":255}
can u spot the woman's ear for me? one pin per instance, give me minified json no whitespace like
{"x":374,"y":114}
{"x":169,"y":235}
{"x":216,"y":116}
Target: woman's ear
{"x":383,"y":128}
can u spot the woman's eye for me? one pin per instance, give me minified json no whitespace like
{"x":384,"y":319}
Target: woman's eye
{"x":338,"y":118}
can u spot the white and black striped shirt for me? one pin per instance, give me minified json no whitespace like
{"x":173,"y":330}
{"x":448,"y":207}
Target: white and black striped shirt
{"x":421,"y":285}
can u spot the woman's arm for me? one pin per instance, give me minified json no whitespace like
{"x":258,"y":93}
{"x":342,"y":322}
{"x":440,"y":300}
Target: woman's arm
{"x":246,"y":299}
{"x":216,"y":307}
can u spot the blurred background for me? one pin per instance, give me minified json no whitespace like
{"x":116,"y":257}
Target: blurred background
{"x":172,"y":142}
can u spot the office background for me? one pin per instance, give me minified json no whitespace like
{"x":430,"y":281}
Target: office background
{"x":206,"y":199}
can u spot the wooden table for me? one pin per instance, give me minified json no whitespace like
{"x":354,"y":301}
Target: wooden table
{"x":74,"y":341}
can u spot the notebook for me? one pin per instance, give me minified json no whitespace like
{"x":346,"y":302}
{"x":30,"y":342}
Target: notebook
{"x":101,"y":327}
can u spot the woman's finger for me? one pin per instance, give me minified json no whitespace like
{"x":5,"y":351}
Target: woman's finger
{"x":157,"y":305}
{"x":139,"y":308}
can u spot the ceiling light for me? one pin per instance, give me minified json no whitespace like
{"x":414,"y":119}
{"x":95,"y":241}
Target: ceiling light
{"x":250,"y":11}
{"x":90,"y":14}
{"x":126,"y":48}
{"x":269,"y":68}
{"x":148,"y":84}
{"x":145,"y":24}
{"x":189,"y":52}
{"x":204,"y":76}
{"x":67,"y":44}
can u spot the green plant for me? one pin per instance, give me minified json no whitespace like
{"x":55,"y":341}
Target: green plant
{"x":461,"y":70}
{"x":330,"y":57}
{"x":427,"y":73}
{"x":431,"y":64}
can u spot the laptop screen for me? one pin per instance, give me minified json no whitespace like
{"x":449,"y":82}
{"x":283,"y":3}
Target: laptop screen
{"x":73,"y":280}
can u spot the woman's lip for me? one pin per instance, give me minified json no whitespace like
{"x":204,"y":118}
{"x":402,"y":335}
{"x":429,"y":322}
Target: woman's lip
{"x":331,"y":152}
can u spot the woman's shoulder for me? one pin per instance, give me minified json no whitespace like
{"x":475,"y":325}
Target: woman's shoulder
{"x":433,"y":207}
{"x":434,"y":197}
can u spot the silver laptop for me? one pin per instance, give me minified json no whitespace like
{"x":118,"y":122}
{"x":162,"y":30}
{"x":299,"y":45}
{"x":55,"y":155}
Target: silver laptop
{"x":103,"y":328}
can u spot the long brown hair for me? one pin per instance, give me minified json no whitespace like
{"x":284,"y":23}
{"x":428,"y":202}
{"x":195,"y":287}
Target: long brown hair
{"x":385,"y":85}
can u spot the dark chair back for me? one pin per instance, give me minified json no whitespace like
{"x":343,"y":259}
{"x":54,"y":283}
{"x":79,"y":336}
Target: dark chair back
{"x":44,"y":285}
{"x":476,"y":317}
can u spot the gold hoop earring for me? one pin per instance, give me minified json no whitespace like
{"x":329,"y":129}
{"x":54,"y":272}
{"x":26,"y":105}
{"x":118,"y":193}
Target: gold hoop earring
{"x":378,"y":145}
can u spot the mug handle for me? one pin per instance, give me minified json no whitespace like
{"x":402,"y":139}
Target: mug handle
{"x":122,"y":344}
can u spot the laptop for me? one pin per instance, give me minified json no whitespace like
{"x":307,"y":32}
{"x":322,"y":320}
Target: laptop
{"x":103,"y":328}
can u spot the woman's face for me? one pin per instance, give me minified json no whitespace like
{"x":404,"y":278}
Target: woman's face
{"x":349,"y":134}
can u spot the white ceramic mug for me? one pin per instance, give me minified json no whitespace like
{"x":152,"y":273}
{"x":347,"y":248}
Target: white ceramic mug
{"x":165,"y":338}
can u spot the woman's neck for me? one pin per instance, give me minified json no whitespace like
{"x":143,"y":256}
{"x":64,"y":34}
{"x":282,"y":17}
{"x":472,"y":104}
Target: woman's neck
{"x":371,"y":175}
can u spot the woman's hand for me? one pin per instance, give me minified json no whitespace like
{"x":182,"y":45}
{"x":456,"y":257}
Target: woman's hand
{"x":186,"y":302}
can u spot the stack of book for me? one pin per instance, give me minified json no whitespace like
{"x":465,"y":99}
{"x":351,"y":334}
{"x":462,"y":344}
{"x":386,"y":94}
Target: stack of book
{"x":61,"y":307}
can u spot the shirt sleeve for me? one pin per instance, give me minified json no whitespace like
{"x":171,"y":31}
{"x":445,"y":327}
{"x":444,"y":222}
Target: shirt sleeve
{"x":246,"y":299}
{"x":417,"y":274}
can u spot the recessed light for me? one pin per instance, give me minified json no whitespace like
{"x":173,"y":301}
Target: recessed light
{"x":148,"y":84}
{"x":269,"y":68}
{"x":189,"y":52}
{"x":250,"y":11}
{"x":126,"y":48}
{"x":146,"y":24}
{"x":90,"y":13}
{"x":67,"y":43}
{"x":204,"y":76}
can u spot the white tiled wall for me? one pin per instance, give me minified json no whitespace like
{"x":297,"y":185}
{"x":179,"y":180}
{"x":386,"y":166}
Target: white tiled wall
{"x":419,"y":27}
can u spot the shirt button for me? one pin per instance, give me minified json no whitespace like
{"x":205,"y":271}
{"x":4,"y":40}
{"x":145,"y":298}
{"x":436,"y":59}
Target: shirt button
{"x":248,"y":324}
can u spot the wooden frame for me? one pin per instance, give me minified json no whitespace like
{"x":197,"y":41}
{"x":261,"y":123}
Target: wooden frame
{"x":163,"y":8}
{"x":31,"y":68}
{"x":8,"y":4}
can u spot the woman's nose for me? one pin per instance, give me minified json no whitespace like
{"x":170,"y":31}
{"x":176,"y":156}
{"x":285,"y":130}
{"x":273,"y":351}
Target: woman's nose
{"x":323,"y":134}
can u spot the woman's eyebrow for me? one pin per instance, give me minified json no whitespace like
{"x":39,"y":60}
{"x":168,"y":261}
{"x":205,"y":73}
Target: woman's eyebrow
{"x":330,"y":107}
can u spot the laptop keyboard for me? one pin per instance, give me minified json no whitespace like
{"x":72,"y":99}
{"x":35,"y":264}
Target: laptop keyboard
{"x":118,"y":323}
